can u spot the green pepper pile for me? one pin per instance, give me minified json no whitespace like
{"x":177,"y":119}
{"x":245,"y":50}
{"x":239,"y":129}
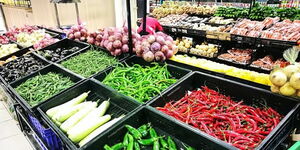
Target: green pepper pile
{"x":140,"y":83}
{"x":90,"y":62}
{"x":143,"y":137}
{"x":42,"y":87}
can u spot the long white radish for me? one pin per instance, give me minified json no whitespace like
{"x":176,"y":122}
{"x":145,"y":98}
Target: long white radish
{"x":51,"y":112}
{"x":73,"y":120}
{"x":92,"y":124}
{"x":99,"y":130}
{"x":96,"y":113}
{"x":63,"y":115}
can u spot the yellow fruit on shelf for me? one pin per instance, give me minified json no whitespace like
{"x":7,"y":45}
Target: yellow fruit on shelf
{"x":295,"y":80}
{"x":222,"y":68}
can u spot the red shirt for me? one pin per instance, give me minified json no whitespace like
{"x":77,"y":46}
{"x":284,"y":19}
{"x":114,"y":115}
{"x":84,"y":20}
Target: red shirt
{"x":152,"y":25}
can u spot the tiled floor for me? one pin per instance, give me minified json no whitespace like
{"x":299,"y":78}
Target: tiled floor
{"x":11,"y":137}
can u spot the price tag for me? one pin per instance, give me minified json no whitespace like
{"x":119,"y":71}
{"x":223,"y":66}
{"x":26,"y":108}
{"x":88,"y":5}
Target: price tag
{"x":239,"y":38}
{"x":184,"y":30}
{"x":179,"y":30}
{"x":173,"y":29}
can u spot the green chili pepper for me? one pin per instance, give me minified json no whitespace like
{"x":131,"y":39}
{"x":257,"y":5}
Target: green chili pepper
{"x":156,"y":145}
{"x":143,"y":130}
{"x":130,"y":142}
{"x":148,"y":141}
{"x":153,"y":133}
{"x":163,"y":143}
{"x":136,"y":134}
{"x":125,"y":140}
{"x":118,"y":146}
{"x":171,"y":143}
{"x":106,"y":147}
{"x":136,"y":145}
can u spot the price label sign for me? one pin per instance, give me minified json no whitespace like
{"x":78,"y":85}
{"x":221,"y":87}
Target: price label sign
{"x":184,"y":30}
{"x":173,"y":29}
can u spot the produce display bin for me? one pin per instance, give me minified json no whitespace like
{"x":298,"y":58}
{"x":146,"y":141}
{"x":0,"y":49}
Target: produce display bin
{"x":176,"y":72}
{"x":250,"y":95}
{"x":163,"y":125}
{"x":44,"y":62}
{"x":43,"y":135}
{"x":64,"y":43}
{"x":120,"y":58}
{"x":119,"y":104}
{"x":50,"y":68}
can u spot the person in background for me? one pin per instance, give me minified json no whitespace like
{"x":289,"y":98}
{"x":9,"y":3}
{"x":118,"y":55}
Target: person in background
{"x":152,"y":25}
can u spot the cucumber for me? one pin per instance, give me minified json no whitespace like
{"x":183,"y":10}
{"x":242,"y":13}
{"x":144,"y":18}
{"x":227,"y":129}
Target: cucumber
{"x":96,"y":113}
{"x":63,"y":115}
{"x":51,"y":112}
{"x":99,"y":130}
{"x":73,"y":120}
{"x":84,"y":130}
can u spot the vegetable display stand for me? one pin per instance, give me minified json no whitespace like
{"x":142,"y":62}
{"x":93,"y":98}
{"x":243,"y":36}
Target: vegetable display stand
{"x":80,"y":68}
{"x":257,"y":85}
{"x":251,"y":96}
{"x":119,"y":104}
{"x":44,"y":137}
{"x":176,"y":72}
{"x":61,"y":49}
{"x":164,"y":127}
{"x":51,"y":68}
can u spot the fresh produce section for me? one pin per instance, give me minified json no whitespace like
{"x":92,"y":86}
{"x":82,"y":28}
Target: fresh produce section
{"x":41,"y":87}
{"x":8,"y":49}
{"x":219,"y":116}
{"x":223,"y":75}
{"x":20,"y":67}
{"x":140,"y":82}
{"x":90,"y":62}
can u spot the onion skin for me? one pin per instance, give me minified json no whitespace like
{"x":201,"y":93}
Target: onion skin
{"x":148,"y":56}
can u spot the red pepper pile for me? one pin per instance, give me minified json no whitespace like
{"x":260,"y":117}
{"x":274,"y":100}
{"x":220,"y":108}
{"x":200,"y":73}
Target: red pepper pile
{"x":240,"y":125}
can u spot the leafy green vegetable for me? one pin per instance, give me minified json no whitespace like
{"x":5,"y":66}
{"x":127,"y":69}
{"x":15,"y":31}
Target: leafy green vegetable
{"x":42,"y":87}
{"x":90,"y":62}
{"x":140,"y":83}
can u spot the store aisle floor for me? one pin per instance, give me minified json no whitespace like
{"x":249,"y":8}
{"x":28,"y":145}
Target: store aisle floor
{"x":11,"y":137}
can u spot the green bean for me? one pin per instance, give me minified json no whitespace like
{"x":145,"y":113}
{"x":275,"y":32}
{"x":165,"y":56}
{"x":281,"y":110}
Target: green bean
{"x":89,"y":62}
{"x":42,"y":87}
{"x":138,"y":82}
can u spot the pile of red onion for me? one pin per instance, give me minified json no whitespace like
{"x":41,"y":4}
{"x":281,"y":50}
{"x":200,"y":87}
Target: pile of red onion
{"x":13,"y":32}
{"x":78,"y":33}
{"x":95,"y":38}
{"x":115,"y":40}
{"x":4,"y":39}
{"x":158,"y":47}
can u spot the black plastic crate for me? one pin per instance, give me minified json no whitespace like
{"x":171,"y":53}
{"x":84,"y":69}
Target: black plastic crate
{"x":65,"y":43}
{"x":118,"y":104}
{"x":35,"y":57}
{"x":120,"y":58}
{"x":176,"y":72}
{"x":196,"y":32}
{"x":250,"y":95}
{"x":18,"y":53}
{"x":49,"y":68}
{"x":163,"y":125}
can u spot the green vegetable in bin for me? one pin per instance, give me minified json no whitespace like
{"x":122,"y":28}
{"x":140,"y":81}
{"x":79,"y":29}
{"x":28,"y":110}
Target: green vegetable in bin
{"x":140,"y":83}
{"x":41,"y":87}
{"x":89,"y":62}
{"x":149,"y":140}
